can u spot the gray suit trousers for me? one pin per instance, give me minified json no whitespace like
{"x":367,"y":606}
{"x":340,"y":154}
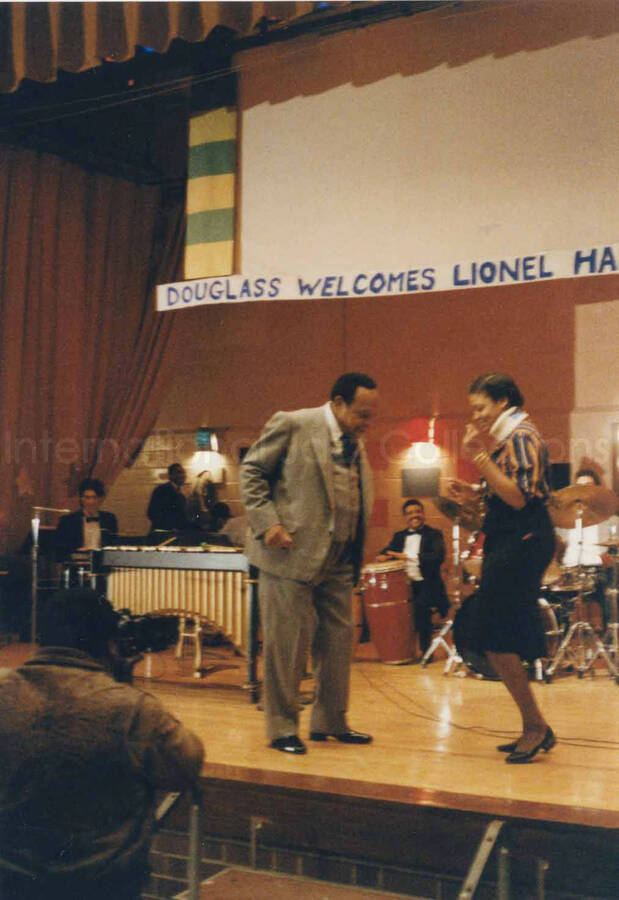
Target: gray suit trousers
{"x":296,"y":615}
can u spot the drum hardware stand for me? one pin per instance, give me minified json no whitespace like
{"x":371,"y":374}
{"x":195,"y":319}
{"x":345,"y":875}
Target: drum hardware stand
{"x":581,"y":632}
{"x":454,"y":660}
{"x":609,"y":639}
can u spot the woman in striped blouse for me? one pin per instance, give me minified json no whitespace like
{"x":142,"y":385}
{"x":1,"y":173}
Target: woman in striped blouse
{"x":506,"y":623}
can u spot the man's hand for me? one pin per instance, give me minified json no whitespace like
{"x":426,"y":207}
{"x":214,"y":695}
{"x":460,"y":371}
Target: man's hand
{"x":277,"y":536}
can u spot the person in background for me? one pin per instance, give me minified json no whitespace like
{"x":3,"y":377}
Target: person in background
{"x":306,"y":486}
{"x":90,"y":527}
{"x":422,"y":548}
{"x":167,"y":509}
{"x":507,"y":625}
{"x":220,"y":514}
{"x":81,"y":757}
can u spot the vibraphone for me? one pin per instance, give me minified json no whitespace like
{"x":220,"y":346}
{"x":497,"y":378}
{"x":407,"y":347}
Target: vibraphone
{"x":195,"y":584}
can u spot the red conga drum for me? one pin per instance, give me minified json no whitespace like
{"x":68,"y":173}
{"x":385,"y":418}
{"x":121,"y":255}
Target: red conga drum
{"x":389,"y":612}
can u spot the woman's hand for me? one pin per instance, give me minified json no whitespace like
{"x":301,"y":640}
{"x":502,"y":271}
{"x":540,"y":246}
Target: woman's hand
{"x":474,"y":441}
{"x":460,"y":492}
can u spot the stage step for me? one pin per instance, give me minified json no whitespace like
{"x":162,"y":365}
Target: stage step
{"x":376,"y":847}
{"x":245,"y":884}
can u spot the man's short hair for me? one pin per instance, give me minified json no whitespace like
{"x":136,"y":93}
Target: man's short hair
{"x":91,"y":484}
{"x":347,"y":384}
{"x":79,"y":618}
{"x":412,"y":502}
{"x":172,"y":468}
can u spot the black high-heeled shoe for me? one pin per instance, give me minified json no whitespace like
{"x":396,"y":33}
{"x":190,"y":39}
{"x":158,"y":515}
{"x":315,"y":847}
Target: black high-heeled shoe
{"x":507,"y":748}
{"x":525,"y":756}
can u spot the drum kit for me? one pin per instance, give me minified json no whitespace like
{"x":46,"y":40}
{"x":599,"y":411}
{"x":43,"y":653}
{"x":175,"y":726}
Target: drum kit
{"x":576,"y":507}
{"x":571,"y":639}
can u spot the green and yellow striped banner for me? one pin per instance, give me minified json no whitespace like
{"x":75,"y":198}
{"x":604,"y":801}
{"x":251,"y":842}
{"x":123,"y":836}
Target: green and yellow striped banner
{"x":209,"y":244}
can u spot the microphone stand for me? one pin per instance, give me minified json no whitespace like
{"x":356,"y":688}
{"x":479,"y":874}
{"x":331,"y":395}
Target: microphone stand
{"x":34,"y":556}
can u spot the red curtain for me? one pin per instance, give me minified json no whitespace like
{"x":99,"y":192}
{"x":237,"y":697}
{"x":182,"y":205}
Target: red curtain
{"x":37,"y":39}
{"x":82,"y":350}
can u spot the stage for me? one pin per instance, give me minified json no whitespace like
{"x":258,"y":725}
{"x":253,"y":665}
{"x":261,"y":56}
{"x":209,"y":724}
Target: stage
{"x":432,"y":765}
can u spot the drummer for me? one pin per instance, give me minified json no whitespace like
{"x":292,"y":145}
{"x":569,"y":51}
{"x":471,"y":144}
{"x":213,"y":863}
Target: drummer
{"x":583,"y":548}
{"x":423,"y":550}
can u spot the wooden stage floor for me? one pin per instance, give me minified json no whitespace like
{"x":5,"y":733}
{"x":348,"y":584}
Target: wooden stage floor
{"x":434,"y":737}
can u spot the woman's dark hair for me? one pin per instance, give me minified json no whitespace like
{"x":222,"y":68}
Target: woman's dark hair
{"x":498,"y":386}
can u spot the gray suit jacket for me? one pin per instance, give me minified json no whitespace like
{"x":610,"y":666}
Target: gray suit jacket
{"x":287,"y":479}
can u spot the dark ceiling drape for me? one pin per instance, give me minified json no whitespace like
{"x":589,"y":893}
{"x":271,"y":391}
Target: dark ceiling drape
{"x":82,"y":350}
{"x":37,"y":39}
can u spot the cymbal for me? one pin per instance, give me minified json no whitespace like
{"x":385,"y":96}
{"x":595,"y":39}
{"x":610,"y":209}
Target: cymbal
{"x":614,"y":543}
{"x":589,"y":501}
{"x":470,"y":516}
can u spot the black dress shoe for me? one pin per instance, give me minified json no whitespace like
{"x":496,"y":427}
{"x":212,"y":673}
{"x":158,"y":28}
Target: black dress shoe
{"x":525,"y":756}
{"x":345,"y":737}
{"x":290,"y":744}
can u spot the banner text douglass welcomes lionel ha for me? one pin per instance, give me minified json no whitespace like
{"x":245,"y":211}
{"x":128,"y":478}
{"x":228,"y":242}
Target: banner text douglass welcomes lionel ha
{"x":409,"y":279}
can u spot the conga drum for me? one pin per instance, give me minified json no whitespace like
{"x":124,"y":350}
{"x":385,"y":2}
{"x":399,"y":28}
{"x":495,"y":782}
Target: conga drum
{"x":389,"y":611}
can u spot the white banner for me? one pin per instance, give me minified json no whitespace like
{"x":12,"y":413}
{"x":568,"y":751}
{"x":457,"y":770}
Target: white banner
{"x":600,"y":260}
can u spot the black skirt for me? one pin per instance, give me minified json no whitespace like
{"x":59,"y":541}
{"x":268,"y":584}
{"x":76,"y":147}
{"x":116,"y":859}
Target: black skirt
{"x":518,"y":548}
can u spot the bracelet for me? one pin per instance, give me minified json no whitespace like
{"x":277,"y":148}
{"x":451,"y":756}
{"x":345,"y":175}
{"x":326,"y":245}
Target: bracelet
{"x":481,"y":458}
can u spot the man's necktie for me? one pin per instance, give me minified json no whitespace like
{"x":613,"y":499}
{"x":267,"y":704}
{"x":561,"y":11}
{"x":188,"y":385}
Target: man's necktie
{"x":92,"y":518}
{"x":349,"y":448}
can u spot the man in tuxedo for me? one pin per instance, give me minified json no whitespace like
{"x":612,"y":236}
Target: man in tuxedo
{"x":90,"y":527}
{"x":306,"y":487}
{"x":423,"y":550}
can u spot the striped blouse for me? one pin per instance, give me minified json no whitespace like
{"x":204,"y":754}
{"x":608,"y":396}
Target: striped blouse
{"x":523,"y":457}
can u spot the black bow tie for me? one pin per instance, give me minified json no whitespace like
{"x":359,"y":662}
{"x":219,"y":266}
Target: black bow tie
{"x":413,"y":530}
{"x":92,"y":518}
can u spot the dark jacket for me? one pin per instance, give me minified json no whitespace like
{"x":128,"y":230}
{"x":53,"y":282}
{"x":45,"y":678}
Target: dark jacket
{"x":167,"y":509}
{"x":81,"y":759}
{"x":431,"y":557}
{"x":70,"y":532}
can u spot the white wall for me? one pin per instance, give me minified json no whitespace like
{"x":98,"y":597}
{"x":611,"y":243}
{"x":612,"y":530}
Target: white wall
{"x":596,"y":414}
{"x":455,"y":135}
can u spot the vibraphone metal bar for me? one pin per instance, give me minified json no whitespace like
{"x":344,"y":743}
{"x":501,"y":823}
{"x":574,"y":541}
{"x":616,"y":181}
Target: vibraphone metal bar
{"x":203,"y":585}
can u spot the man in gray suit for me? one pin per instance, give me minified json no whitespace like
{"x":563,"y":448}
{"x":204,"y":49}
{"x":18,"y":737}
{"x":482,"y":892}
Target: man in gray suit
{"x":306,"y":487}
